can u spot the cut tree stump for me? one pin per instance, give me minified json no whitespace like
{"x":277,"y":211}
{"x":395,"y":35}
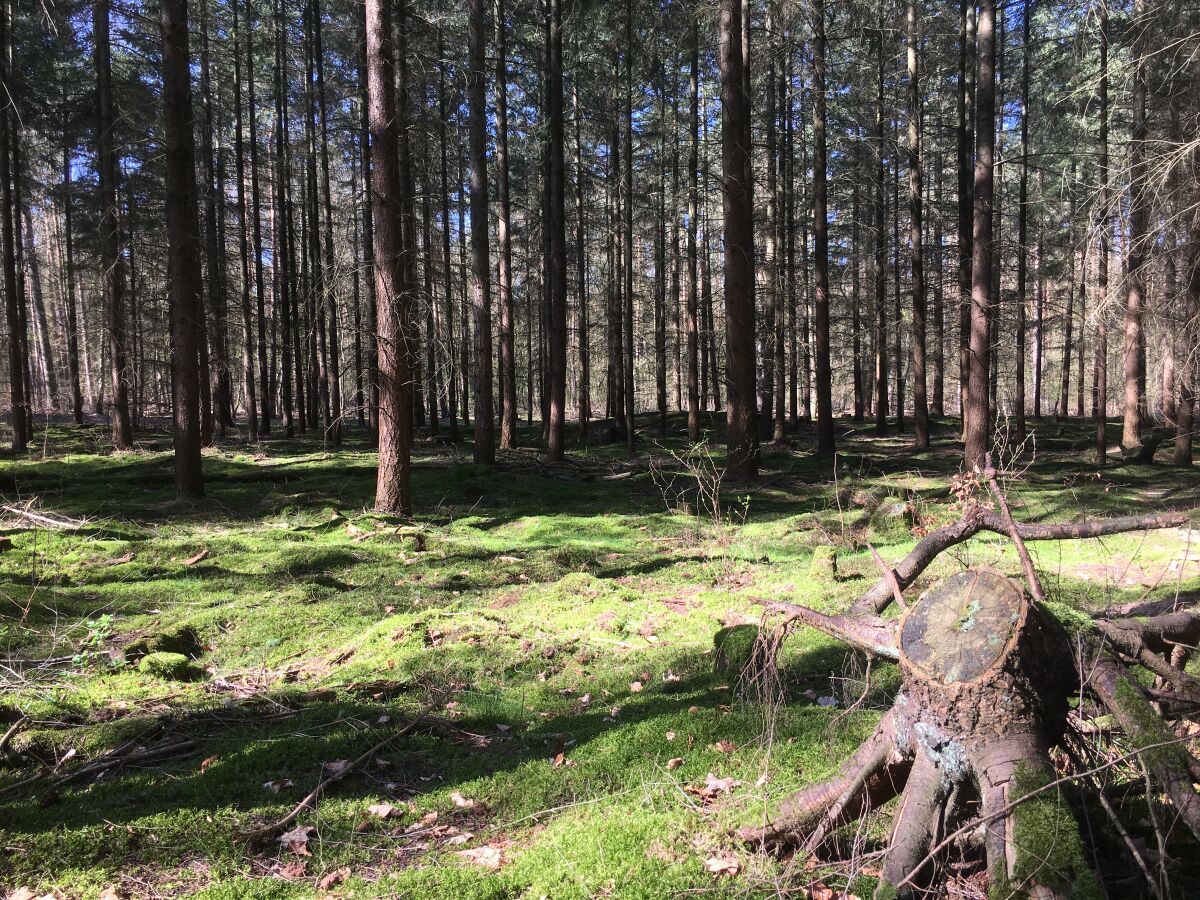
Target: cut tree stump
{"x":986,"y":678}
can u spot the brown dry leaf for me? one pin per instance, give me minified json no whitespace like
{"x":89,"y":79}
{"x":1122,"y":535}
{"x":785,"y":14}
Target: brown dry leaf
{"x":337,"y":767}
{"x":199,"y":557}
{"x":459,"y":839}
{"x":465,"y":802}
{"x":296,"y":869}
{"x":490,"y":857}
{"x":384,"y":810}
{"x":334,"y":878}
{"x":635,"y":687}
{"x":722,"y":865}
{"x":559,"y":760}
{"x":205,"y":763}
{"x":674,"y":763}
{"x":296,"y":840}
{"x":128,"y":557}
{"x":277,"y":785}
{"x":724,"y":746}
{"x":714,"y":785}
{"x":112,"y":892}
{"x":21,"y":893}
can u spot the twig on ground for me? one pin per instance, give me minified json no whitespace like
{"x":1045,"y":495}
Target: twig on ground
{"x":273,"y":828}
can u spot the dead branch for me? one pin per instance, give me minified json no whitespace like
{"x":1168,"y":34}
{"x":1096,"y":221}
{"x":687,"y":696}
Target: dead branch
{"x":273,"y":828}
{"x":870,"y":634}
{"x":978,"y":519}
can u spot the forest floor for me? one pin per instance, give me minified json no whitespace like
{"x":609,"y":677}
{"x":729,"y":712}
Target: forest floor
{"x":551,"y":626}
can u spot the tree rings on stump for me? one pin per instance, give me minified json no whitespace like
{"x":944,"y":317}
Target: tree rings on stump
{"x":963,"y":627}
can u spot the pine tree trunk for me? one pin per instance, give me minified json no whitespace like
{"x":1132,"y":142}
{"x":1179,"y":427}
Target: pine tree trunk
{"x":880,"y":243}
{"x":260,"y":303}
{"x":741,"y":416}
{"x":69,"y":298}
{"x":916,"y":234}
{"x":508,"y":364}
{"x":824,"y":371}
{"x":978,"y":433}
{"x":110,"y":241}
{"x":557,"y":308}
{"x":333,"y":374}
{"x":183,"y":247}
{"x":251,"y":397}
{"x":966,"y":147}
{"x":1100,"y":397}
{"x":481,"y":302}
{"x":1139,"y":236}
{"x":393,"y":488}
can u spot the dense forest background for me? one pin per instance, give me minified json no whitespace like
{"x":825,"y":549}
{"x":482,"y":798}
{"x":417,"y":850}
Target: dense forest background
{"x":567,"y":223}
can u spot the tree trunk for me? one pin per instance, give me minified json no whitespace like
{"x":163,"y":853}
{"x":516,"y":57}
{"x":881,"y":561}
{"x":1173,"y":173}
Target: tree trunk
{"x":183,"y":243}
{"x":393,"y":487}
{"x":978,"y":432}
{"x":447,"y":281}
{"x":260,"y":303}
{"x":329,"y":299}
{"x":916,"y":245}
{"x":481,"y":302}
{"x":250,"y":394}
{"x":966,"y":80}
{"x":508,"y":365}
{"x":880,"y":243}
{"x":824,"y":372}
{"x":737,"y":174}
{"x":585,"y":359}
{"x":630,"y":387}
{"x":110,"y":239}
{"x":1100,"y":399}
{"x":69,"y":298}
{"x":1139,"y":237}
{"x":691,"y":325}
{"x":1023,"y":229}
{"x":557,"y":309}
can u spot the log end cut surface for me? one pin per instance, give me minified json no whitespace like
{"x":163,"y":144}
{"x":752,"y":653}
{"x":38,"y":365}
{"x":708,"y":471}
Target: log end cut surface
{"x":962,"y":627}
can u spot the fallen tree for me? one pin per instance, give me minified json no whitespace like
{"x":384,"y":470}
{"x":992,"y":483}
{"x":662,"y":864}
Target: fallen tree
{"x":989,"y":671}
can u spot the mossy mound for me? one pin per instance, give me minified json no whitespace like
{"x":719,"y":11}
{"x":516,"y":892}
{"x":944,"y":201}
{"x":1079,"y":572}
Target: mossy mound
{"x":734,"y":649}
{"x":170,"y":666}
{"x":823,"y":565}
{"x":183,"y":640}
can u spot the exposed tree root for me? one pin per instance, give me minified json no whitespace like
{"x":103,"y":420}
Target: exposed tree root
{"x":987,"y":674}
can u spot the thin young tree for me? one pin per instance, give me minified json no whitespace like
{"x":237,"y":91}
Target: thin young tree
{"x":393,"y":485}
{"x":916,"y":246}
{"x":1139,"y":236}
{"x":111,"y":261}
{"x":183,"y":247}
{"x":504,"y":284}
{"x":481,"y":302}
{"x":557,"y":308}
{"x":736,"y":175}
{"x":1023,"y":227}
{"x":978,"y":432}
{"x":824,"y":370}
{"x":690,"y":316}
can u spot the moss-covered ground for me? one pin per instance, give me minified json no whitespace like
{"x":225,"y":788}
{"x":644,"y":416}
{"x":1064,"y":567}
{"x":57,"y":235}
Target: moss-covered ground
{"x":553,"y":624}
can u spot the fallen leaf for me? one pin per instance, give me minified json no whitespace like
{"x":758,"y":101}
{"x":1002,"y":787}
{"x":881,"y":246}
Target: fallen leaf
{"x":489,"y":857}
{"x":337,"y":767}
{"x":559,"y":760}
{"x":720,"y":785}
{"x":459,"y":839}
{"x":128,"y":557}
{"x":277,"y":785}
{"x":635,"y":687}
{"x":292,"y":870}
{"x":384,"y":810}
{"x":722,"y":865}
{"x":296,"y":840}
{"x":674,"y":763}
{"x":21,"y":893}
{"x":205,"y":763}
{"x":670,"y":735}
{"x":724,"y":746}
{"x":334,"y":878}
{"x":199,"y":557}
{"x":464,"y":802}
{"x":112,"y":892}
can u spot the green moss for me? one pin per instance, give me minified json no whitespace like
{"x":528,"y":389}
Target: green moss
{"x":823,"y":565}
{"x":170,"y":666}
{"x":1074,"y":621}
{"x":733,"y":649}
{"x":1046,"y":835}
{"x":1144,"y":728}
{"x":180,"y":639}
